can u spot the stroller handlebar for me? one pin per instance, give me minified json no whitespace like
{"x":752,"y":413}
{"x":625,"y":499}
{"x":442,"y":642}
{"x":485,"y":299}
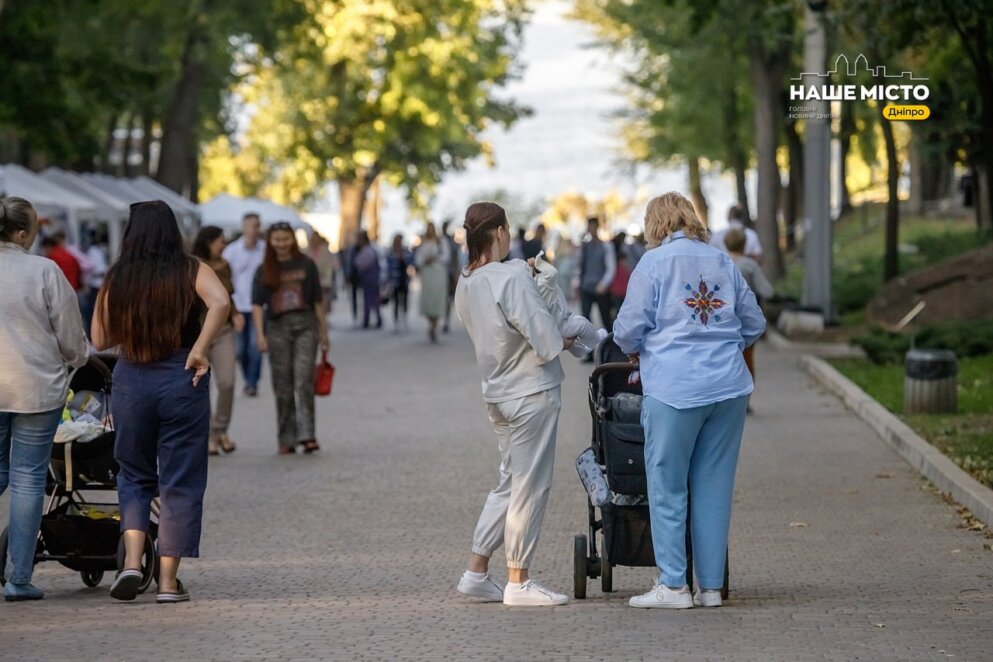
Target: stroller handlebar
{"x":617,"y":367}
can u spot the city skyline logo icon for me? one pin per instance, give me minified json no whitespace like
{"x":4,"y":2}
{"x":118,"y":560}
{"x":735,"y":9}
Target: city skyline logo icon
{"x":905,"y":86}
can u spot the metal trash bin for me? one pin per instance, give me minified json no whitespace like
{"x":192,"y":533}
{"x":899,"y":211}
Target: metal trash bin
{"x":930,"y":382}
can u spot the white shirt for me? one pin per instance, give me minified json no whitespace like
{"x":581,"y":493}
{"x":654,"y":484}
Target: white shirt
{"x":41,"y":332}
{"x":516,"y":339}
{"x":244,"y":263}
{"x":753,"y":246}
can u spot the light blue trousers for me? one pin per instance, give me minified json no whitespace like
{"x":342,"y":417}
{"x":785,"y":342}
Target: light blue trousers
{"x":692,"y":451}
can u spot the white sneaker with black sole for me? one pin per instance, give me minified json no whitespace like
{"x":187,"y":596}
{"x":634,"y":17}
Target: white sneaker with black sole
{"x":531,"y":594}
{"x":478,"y":585}
{"x":708,"y":598}
{"x":663,"y":597}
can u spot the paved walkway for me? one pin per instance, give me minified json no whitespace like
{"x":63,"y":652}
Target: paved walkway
{"x":838,"y":550}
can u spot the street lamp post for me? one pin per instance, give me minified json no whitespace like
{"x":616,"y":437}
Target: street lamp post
{"x":817,"y":168}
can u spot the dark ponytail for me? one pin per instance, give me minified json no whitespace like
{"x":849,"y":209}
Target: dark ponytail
{"x":481,"y":219}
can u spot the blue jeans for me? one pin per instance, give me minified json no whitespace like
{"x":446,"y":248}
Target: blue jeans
{"x":248,"y":354}
{"x":25,"y":448}
{"x":162,"y":422}
{"x":692,"y":451}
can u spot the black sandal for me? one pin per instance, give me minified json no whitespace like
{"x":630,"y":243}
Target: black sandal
{"x":310,"y":446}
{"x":170,"y":597}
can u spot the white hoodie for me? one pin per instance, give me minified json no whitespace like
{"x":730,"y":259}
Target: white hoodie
{"x":517,"y":340}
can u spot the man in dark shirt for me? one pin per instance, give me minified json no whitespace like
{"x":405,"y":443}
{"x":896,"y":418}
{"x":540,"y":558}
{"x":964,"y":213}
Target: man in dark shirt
{"x":536,"y":244}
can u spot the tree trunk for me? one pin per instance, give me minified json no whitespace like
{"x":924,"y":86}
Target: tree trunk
{"x":767,"y":77}
{"x":848,"y":130}
{"x":891,"y":255}
{"x":793,"y":204}
{"x":372,"y":203}
{"x":108,"y":146}
{"x":353,"y":192}
{"x":147,"y":122}
{"x":696,"y":190}
{"x":736,"y":154}
{"x":123,"y":168}
{"x":179,"y":135}
{"x":975,"y":41}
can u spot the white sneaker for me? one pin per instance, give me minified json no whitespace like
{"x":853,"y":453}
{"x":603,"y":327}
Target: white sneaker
{"x":531,"y":594}
{"x":708,"y":598}
{"x":663,"y":597}
{"x":484,"y":588}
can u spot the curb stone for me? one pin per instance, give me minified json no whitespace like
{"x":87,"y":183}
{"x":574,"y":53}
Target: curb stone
{"x":922,"y":456}
{"x":778,"y":341}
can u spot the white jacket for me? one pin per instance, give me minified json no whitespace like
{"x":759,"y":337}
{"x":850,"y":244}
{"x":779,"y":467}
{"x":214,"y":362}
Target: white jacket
{"x":517,"y":341}
{"x":41,"y":332}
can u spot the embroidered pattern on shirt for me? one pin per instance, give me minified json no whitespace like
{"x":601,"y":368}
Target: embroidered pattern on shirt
{"x":704,"y":302}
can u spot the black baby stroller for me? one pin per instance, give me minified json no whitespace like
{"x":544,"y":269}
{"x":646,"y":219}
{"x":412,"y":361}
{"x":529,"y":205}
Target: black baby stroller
{"x":618,"y":451}
{"x":80,"y":525}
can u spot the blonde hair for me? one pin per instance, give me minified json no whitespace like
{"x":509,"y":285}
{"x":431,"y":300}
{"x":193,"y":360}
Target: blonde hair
{"x":670,"y":213}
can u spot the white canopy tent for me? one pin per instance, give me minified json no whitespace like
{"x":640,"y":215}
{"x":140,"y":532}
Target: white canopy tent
{"x":49,"y":198}
{"x":226,"y":212}
{"x":111,"y":209}
{"x":140,"y":189}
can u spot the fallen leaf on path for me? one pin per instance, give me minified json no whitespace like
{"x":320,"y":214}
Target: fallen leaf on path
{"x":880,"y":625}
{"x":798,"y":525}
{"x":886,"y":474}
{"x":956,"y":551}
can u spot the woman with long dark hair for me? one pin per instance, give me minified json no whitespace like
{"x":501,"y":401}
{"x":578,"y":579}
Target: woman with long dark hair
{"x":287,"y":295}
{"x":517,"y":343}
{"x":150,"y":306}
{"x":41,"y":339}
{"x":222,"y":354}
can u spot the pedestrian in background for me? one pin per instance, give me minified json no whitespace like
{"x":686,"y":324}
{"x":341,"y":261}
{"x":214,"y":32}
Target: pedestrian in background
{"x":222,"y":354}
{"x":326,"y":263}
{"x":535,"y":244}
{"x":753,"y":245}
{"x":368,"y":270}
{"x":96,"y":259}
{"x":688,"y":315}
{"x":517,"y":344}
{"x":150,"y":306}
{"x":597,"y":264}
{"x":41,"y":339}
{"x":398,"y":263}
{"x":245,"y":258}
{"x":290,"y":324}
{"x":432,"y":266}
{"x":735,"y":242}
{"x":454,"y":267}
{"x":54,"y":248}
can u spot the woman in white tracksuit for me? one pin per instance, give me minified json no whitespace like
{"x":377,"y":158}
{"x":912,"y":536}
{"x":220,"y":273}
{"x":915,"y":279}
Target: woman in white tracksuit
{"x":517,"y":344}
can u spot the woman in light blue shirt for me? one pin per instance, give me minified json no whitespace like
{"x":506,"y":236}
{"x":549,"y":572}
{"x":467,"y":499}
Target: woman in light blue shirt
{"x":687,"y":317}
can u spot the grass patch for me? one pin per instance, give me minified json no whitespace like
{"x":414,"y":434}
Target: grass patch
{"x":858,"y":255}
{"x":965,"y":437}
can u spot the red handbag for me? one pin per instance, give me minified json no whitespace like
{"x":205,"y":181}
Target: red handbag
{"x":323,"y":376}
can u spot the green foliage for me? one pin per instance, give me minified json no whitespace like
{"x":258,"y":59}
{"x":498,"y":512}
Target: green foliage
{"x":363,"y":87}
{"x":689,"y":90}
{"x":965,"y":338}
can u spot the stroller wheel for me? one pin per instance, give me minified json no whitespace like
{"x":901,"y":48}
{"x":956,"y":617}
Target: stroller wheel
{"x":149,"y":562}
{"x":579,"y":566}
{"x":606,"y":571}
{"x":92,"y":578}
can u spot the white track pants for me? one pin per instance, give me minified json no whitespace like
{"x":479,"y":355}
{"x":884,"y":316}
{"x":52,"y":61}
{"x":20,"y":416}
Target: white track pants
{"x":525,"y":429}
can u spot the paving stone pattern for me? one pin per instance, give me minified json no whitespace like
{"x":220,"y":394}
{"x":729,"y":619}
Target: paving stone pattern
{"x":837,"y":552}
